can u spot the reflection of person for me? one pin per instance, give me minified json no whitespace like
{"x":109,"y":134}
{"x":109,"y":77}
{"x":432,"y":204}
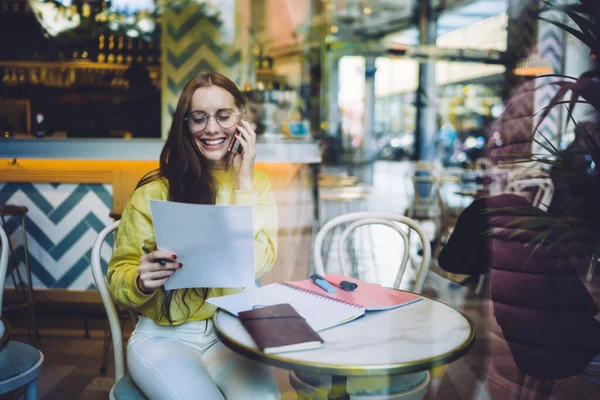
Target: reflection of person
{"x":174,"y":352}
{"x":543,"y":320}
{"x":575,"y":184}
{"x":254,"y":118}
{"x":445,"y":139}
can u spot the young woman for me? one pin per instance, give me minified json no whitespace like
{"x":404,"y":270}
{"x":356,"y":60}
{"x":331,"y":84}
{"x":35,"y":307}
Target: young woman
{"x":174,"y":352}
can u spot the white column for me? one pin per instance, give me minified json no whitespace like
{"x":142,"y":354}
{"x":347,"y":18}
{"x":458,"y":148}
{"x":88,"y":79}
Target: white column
{"x":427,"y":93}
{"x":369,"y":117}
{"x":332,"y":93}
{"x":550,"y":47}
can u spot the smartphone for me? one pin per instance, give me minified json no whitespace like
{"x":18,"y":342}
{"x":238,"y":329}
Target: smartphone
{"x":234,"y":146}
{"x":233,"y":149}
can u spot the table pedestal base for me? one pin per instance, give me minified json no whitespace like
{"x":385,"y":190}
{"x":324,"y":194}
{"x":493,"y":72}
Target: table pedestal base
{"x":338,"y":388}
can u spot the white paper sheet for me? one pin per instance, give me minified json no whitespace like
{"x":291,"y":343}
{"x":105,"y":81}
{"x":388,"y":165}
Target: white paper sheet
{"x":215,"y":243}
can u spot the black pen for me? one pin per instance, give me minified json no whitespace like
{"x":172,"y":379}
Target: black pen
{"x":344,"y":285}
{"x":161,"y":261}
{"x":348,"y":286}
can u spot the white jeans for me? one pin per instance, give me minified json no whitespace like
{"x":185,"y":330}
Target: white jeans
{"x":189,"y":362}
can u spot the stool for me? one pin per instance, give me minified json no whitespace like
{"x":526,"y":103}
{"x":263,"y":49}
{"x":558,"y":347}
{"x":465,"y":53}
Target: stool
{"x":20,"y":366}
{"x":26,"y":289}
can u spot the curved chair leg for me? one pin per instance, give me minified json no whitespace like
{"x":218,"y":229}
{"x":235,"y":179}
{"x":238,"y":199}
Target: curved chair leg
{"x":36,"y":333}
{"x":105,"y":349}
{"x":31,"y":392}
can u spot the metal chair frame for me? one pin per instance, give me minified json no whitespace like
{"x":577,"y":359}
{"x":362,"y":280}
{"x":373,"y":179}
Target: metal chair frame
{"x":25,"y":288}
{"x":356,"y":220}
{"x":29,"y":377}
{"x":109,"y":304}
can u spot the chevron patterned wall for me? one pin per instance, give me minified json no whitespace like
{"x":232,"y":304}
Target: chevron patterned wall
{"x":521,"y":40}
{"x":62,"y":223}
{"x":551,"y":47}
{"x":194,"y":40}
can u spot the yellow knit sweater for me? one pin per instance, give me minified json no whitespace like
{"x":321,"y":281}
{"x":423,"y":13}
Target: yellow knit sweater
{"x":136,"y":230}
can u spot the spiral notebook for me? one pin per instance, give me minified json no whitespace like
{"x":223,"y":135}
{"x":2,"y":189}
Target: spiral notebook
{"x":320,"y":309}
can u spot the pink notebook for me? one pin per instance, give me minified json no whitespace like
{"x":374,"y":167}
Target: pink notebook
{"x":370,"y":296}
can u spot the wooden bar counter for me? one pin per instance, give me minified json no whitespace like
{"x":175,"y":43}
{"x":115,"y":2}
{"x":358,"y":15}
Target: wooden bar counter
{"x":71,"y":186}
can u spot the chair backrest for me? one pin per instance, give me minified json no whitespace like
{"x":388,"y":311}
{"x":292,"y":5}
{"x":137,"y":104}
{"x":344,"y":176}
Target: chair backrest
{"x":3,"y":262}
{"x":424,"y":184}
{"x":381,"y":218}
{"x":542,"y":194}
{"x":107,"y":300}
{"x":484,"y":163}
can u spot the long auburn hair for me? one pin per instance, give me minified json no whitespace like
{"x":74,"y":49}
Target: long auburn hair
{"x":186,"y":169}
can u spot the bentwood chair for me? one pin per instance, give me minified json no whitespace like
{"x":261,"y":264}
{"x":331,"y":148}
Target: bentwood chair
{"x":124,"y":388}
{"x":412,"y":386}
{"x":20,"y":363}
{"x":23,"y":285}
{"x":541,"y":189}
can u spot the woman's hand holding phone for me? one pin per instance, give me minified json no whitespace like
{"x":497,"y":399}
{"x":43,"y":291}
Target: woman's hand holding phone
{"x":243,"y":164}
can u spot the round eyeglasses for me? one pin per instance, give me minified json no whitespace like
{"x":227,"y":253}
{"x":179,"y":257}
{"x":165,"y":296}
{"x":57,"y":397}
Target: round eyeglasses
{"x":226,"y":118}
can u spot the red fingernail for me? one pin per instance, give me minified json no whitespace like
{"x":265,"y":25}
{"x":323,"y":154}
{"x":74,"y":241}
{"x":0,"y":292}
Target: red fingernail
{"x":180,"y":265}
{"x":174,"y":256}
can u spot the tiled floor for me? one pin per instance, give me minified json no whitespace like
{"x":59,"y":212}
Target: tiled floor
{"x":72,"y":362}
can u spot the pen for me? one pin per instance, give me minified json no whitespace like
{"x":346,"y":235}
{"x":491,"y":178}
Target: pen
{"x":348,"y":286}
{"x":322,"y":283}
{"x":344,"y":285}
{"x":161,"y":261}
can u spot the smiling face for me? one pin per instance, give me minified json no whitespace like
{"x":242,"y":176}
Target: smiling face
{"x":213,"y":140}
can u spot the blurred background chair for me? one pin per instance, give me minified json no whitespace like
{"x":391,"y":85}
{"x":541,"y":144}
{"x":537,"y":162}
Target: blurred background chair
{"x":592,"y":372}
{"x":340,"y":190}
{"x":20,"y":363}
{"x":538,"y":190}
{"x":484,"y":163}
{"x":425,"y":184}
{"x":405,"y":386}
{"x":424,"y":188}
{"x":341,"y":180}
{"x":124,"y":387}
{"x":23,"y":287}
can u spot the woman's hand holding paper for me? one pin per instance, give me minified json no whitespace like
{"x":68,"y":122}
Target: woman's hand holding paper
{"x":155,"y":269}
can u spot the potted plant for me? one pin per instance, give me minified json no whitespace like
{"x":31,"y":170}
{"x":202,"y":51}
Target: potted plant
{"x":542,"y":318}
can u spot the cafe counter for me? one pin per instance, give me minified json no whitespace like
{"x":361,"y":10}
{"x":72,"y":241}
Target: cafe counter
{"x":71,"y":187}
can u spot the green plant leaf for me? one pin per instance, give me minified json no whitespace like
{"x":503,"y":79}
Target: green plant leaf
{"x":579,"y":35}
{"x":536,"y":160}
{"x":541,"y":237}
{"x":560,"y":93}
{"x":549,"y":147}
{"x":570,"y":116}
{"x":559,"y":103}
{"x":578,"y":8}
{"x":561,"y":239}
{"x":516,"y":233}
{"x":571,"y":105}
{"x":529,"y":223}
{"x":584,"y":24}
{"x":556,"y":76}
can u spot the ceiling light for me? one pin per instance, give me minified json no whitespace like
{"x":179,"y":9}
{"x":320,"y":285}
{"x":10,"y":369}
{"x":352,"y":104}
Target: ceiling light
{"x":533,"y":65}
{"x":367,"y":10}
{"x":334,"y":29}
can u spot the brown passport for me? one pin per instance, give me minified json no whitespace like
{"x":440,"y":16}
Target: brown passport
{"x":279,"y":328}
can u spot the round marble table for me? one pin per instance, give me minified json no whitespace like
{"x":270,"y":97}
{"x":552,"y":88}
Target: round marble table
{"x":414,"y":338}
{"x":4,"y":332}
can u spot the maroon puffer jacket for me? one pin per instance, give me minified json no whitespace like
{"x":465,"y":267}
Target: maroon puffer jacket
{"x":540,"y":304}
